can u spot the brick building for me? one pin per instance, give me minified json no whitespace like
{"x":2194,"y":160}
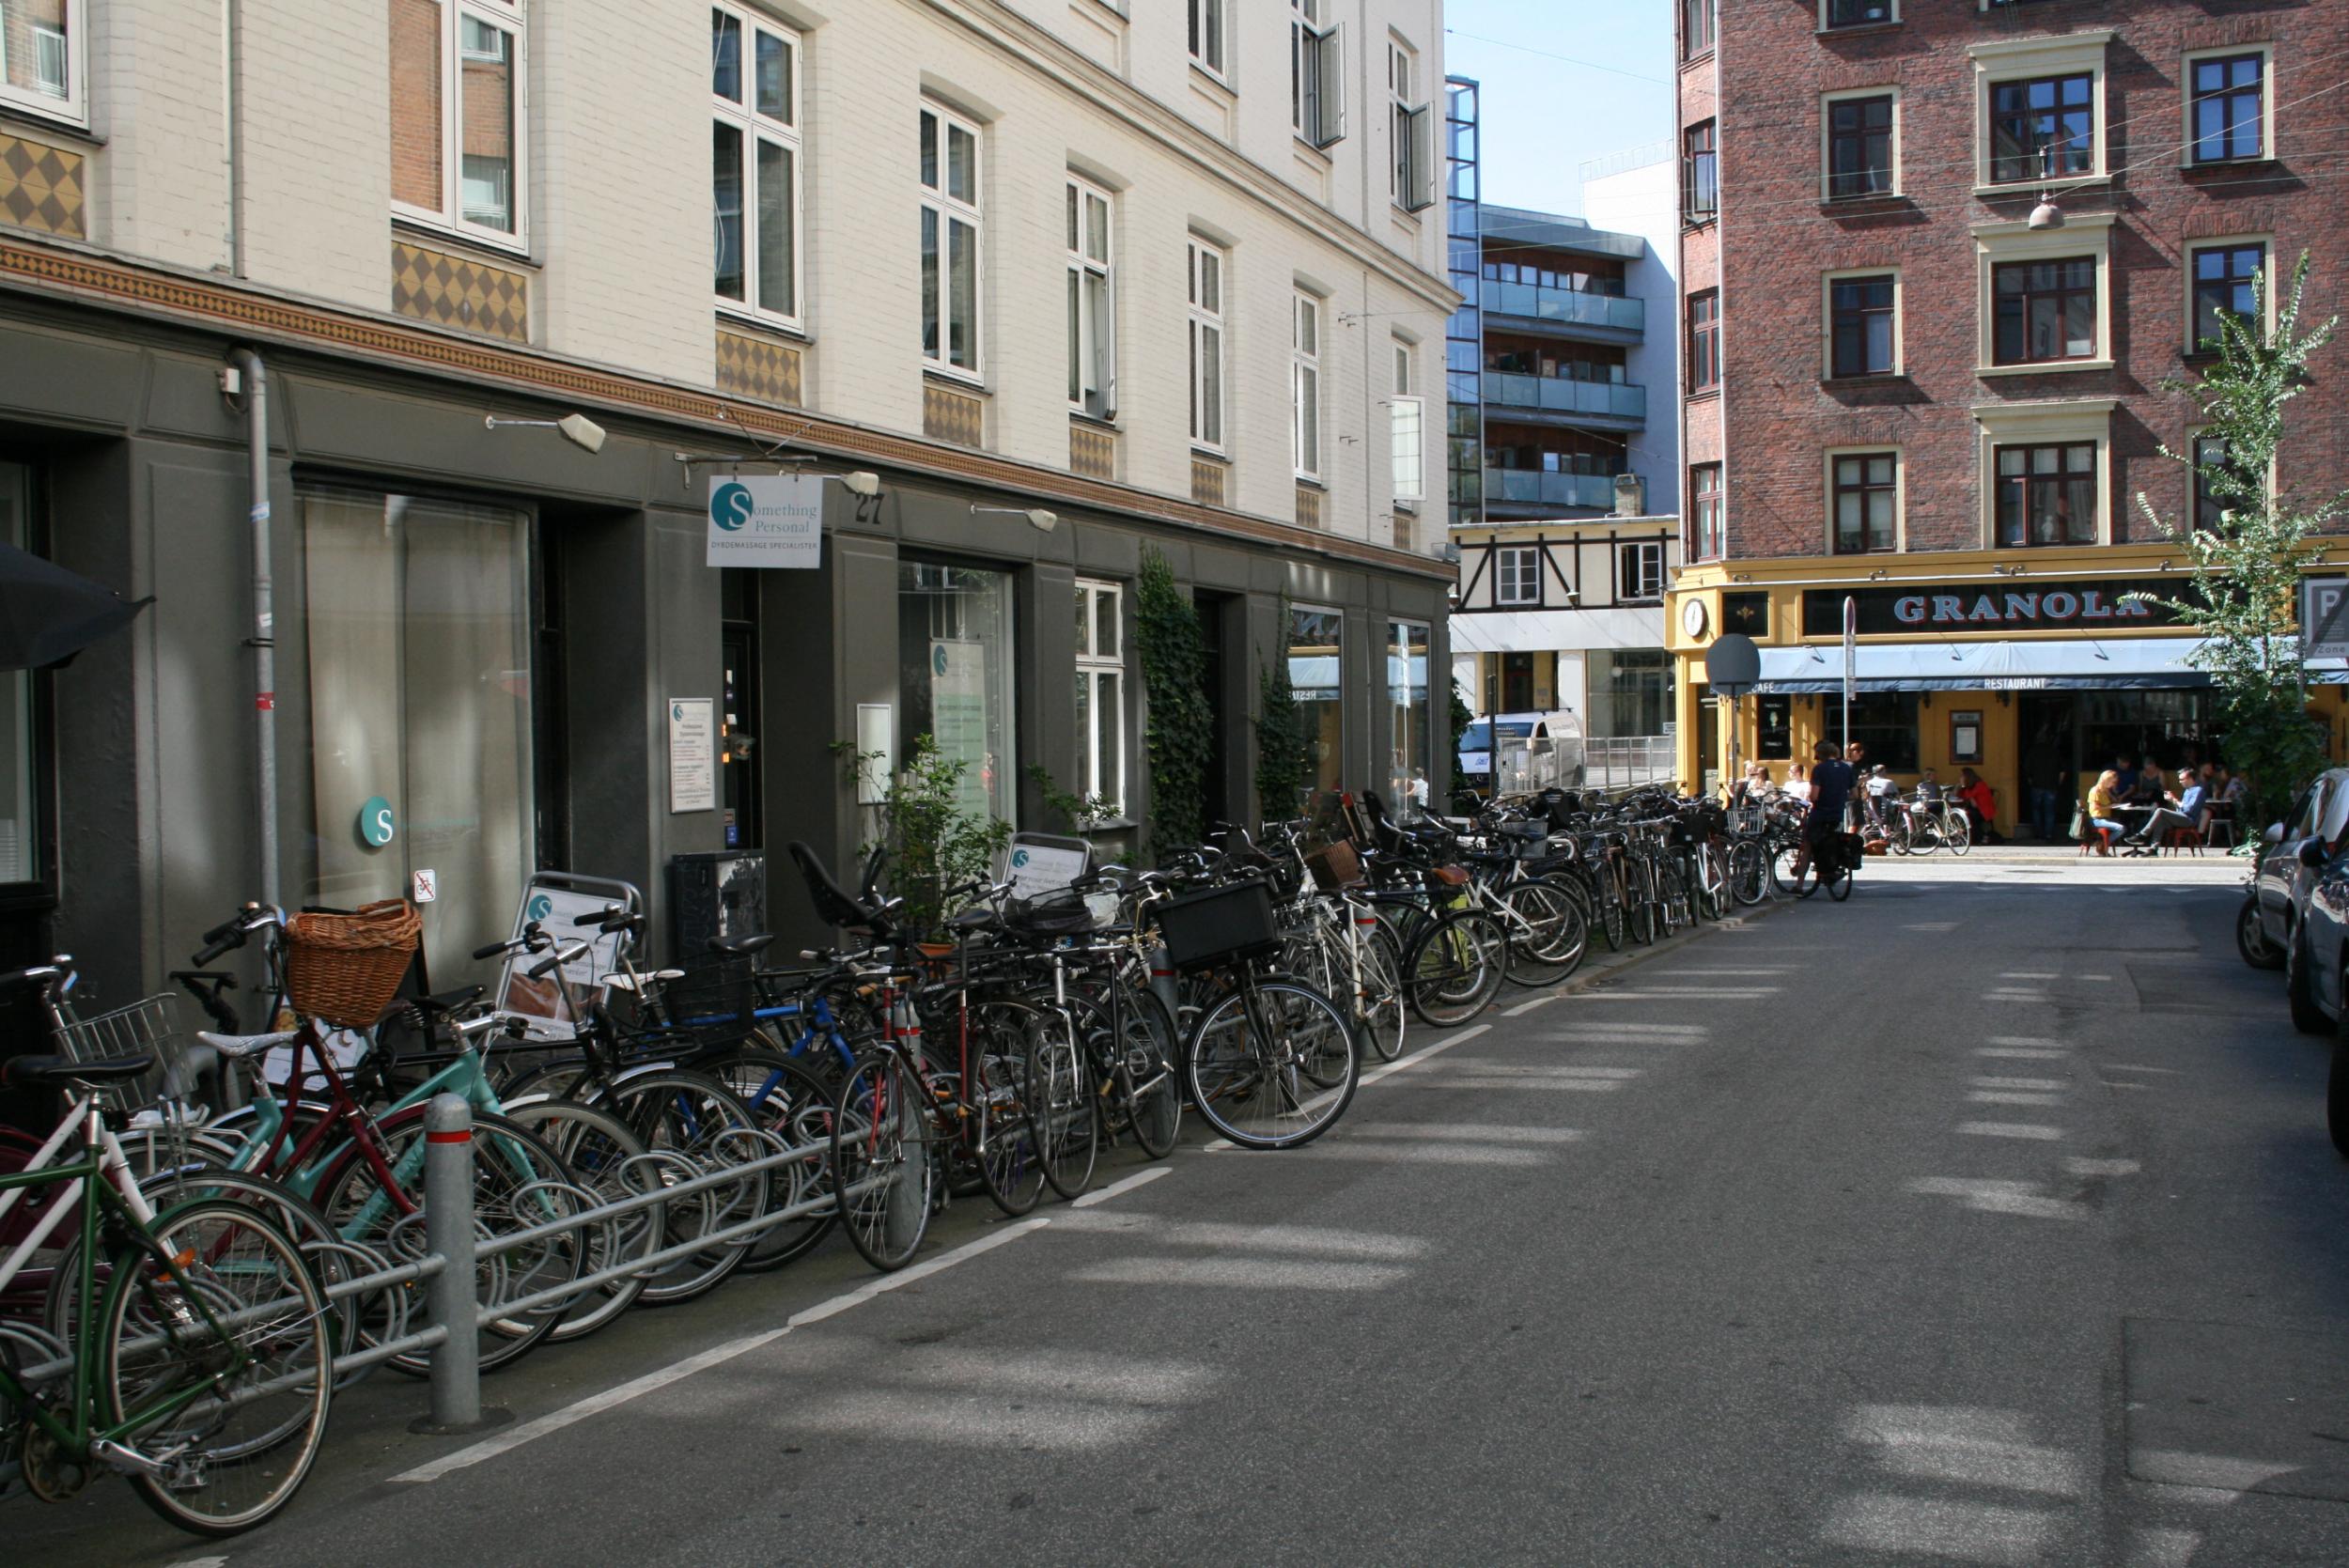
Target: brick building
{"x":1937,"y":261}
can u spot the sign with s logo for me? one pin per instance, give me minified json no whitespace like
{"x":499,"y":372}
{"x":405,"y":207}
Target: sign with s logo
{"x":730,"y":506}
{"x":765,"y":519}
{"x":376,"y":824}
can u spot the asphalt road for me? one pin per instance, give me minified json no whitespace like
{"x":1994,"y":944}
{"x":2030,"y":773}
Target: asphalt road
{"x":1988,"y":1218}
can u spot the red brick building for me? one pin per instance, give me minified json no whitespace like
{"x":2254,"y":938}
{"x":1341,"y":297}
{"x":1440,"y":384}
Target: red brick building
{"x":1938,"y":259}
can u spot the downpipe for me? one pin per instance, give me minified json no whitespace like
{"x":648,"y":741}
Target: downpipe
{"x":263,"y":639}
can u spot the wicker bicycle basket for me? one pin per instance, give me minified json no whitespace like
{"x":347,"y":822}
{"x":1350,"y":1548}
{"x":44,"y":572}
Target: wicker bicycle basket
{"x":345,"y":970}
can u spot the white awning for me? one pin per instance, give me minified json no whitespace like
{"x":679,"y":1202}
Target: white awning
{"x":1542,"y":630}
{"x":2059,"y":665}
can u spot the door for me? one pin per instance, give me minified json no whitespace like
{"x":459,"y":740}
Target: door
{"x":28,"y":822}
{"x":1516,"y":683}
{"x":739,"y":725}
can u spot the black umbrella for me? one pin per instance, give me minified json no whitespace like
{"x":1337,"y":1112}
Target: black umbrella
{"x":48,"y":614}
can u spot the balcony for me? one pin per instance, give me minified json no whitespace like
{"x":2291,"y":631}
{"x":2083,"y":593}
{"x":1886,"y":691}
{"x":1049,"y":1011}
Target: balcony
{"x":1533,"y":486}
{"x":1615,"y":319}
{"x":1616,"y":404}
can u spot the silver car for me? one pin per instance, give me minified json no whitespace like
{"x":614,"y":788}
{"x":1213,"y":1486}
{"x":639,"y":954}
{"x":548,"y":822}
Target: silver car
{"x":2290,"y":855}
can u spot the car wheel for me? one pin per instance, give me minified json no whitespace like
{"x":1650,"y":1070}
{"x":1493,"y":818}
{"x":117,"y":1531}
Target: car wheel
{"x":2307,"y":1016}
{"x":2250,"y":938}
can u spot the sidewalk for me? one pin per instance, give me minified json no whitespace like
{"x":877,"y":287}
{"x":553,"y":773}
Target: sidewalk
{"x":2032,"y":852}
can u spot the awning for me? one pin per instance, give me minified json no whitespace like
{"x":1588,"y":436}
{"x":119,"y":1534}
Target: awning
{"x":1546,"y":630}
{"x":2070,"y":664}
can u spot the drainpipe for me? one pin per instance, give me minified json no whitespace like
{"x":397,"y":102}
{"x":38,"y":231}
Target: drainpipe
{"x":262,"y":642}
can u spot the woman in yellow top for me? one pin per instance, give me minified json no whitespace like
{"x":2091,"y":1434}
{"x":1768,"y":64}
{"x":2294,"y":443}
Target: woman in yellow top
{"x":2100,"y":800}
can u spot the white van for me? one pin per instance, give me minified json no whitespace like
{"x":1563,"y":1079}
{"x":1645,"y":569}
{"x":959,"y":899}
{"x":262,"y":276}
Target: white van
{"x":1518,"y":753}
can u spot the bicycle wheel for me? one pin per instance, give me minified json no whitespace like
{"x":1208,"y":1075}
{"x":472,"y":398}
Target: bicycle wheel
{"x":1060,"y":1104}
{"x":1898,"y":834}
{"x":1806,"y":879}
{"x":882,"y":1163}
{"x":1925,"y":835}
{"x":1011,"y":1167}
{"x":236,"y":1412}
{"x":604,"y":1157}
{"x":697,"y":1126}
{"x":794,"y":1103}
{"x":1639,"y":902}
{"x":1959,"y":833}
{"x":1384,"y":1019}
{"x":1454,"y":968}
{"x":1676,"y":908}
{"x":1143,"y":1081}
{"x":1546,"y":935}
{"x":1256,"y":1056}
{"x":1749,"y":872}
{"x":1838,"y":870}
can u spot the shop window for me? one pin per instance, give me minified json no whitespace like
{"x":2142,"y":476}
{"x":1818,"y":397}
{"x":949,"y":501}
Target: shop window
{"x":1884,"y":721}
{"x":1101,"y":694}
{"x":419,"y":631}
{"x":1318,"y":674}
{"x":1775,"y":734}
{"x":20,"y":828}
{"x":1630,"y":691}
{"x":955,"y":662}
{"x":1406,"y":696}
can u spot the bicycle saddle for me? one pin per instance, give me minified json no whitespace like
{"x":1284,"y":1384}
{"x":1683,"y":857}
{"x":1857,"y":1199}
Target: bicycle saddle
{"x":238,"y":1047}
{"x":743,"y":947}
{"x":55,"y":1072}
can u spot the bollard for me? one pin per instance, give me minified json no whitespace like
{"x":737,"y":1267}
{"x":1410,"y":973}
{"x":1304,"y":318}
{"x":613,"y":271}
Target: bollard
{"x":448,"y":1234}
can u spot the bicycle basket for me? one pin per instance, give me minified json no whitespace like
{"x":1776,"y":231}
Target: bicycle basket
{"x":1061,"y":913}
{"x":344,"y":969}
{"x":1334,"y":865}
{"x":149,"y":1027}
{"x":1216,"y":926}
{"x":713,"y":998}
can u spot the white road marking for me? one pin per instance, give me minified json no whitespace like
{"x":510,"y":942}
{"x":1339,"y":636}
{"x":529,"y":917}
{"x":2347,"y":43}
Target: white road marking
{"x":2000,"y":1197}
{"x":2029,"y":974}
{"x":1424,"y":1052}
{"x":2026,"y":1040}
{"x":2079,"y":1166}
{"x":2132,"y":1067}
{"x":197,"y":1563}
{"x":2162,"y":1548}
{"x":2009,"y":1129}
{"x":1465,"y":1132}
{"x":2022,"y":1053}
{"x":1140,"y":1178}
{"x":2008,"y":1097}
{"x":2091,"y":977}
{"x":1524,"y":1008}
{"x":555,"y":1421}
{"x":2020,"y":1083}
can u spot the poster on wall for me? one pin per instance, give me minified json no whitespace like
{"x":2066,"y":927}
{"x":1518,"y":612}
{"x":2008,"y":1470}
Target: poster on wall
{"x":765,"y":520}
{"x":958,"y":718}
{"x":693,"y":754}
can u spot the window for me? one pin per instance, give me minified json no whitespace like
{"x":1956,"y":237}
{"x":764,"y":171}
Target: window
{"x":1305,"y":384}
{"x":1317,"y":73}
{"x":1700,"y":175}
{"x":1712,"y":534}
{"x":1639,"y":572}
{"x":2210,"y":466}
{"x":1412,"y":132}
{"x":457,"y":125}
{"x":955,"y":664}
{"x":950,"y":242}
{"x":1206,"y":35}
{"x":1696,"y":27}
{"x":2224,"y":283}
{"x":1409,"y":425}
{"x":1092,"y":304}
{"x":1857,"y":13}
{"x":2046,"y":495}
{"x":1704,"y":340}
{"x":418,"y":639}
{"x":1629,"y":691}
{"x":1864,"y":329}
{"x":1317,"y":676}
{"x":1884,"y":721}
{"x":1517,"y":575}
{"x":22,"y":748}
{"x":2226,"y":107}
{"x":1859,"y":147}
{"x":2043,"y":129}
{"x":755,"y":163}
{"x":1205,"y":268}
{"x":41,"y":57}
{"x":2047,"y":310}
{"x":1409,"y":718}
{"x":1101,"y":694}
{"x":1866,"y":501}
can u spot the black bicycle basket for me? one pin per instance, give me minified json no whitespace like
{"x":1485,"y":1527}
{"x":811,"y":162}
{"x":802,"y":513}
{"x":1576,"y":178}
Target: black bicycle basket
{"x":1060,"y":913}
{"x":1215,"y":927}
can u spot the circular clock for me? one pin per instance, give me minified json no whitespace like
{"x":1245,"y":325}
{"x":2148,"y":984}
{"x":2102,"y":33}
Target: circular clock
{"x":1692,"y":618}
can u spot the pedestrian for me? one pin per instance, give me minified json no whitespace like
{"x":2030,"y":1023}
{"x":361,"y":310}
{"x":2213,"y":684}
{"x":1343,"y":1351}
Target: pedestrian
{"x":1980,"y":803}
{"x":2181,"y":810}
{"x":2041,"y":776}
{"x":2102,"y":796}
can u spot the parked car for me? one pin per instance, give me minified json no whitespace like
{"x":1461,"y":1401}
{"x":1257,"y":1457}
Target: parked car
{"x":2268,"y":923}
{"x":1521,"y":754}
{"x":2317,"y":984}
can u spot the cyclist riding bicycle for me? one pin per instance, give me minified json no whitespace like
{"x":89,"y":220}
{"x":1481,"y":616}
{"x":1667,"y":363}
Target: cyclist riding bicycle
{"x":1831,"y":783}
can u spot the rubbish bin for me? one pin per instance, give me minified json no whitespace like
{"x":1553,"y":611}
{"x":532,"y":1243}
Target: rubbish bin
{"x":722,"y":893}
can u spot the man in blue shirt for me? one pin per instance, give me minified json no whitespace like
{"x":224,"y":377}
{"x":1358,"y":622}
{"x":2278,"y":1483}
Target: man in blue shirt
{"x":2184,"y":810}
{"x":1831,"y":783}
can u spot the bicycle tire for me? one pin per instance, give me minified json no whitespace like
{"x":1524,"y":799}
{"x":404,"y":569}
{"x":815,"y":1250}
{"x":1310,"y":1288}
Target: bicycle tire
{"x":1144,"y":1077}
{"x":270,"y":1440}
{"x":793,"y":1103}
{"x":1838,"y":879}
{"x":1247,"y":1067}
{"x":1061,"y":1107}
{"x":696,"y":1119}
{"x":1960,"y":833}
{"x":1548,"y":946}
{"x":1011,"y":1167}
{"x":1749,"y":872}
{"x":1455,"y":969}
{"x":1386,"y":1019}
{"x":881,"y":1164}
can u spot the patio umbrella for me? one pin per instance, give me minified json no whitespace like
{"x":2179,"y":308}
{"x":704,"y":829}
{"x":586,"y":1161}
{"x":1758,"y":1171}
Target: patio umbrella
{"x":48,"y":614}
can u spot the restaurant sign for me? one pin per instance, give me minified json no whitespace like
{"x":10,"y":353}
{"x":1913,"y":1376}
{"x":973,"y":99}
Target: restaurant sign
{"x":2008,"y":604}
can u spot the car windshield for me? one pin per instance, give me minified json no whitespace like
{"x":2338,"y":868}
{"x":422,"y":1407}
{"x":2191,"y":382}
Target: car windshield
{"x":1477,"y":737}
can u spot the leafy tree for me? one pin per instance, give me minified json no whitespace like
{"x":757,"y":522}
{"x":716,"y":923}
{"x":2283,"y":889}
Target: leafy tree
{"x":1180,"y":732}
{"x":2246,"y":571}
{"x":931,"y":842}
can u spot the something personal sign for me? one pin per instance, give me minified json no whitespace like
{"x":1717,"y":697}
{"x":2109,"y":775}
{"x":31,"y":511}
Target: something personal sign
{"x":765,"y":520}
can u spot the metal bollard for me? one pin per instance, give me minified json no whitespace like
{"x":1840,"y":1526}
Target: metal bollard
{"x":448,"y":1234}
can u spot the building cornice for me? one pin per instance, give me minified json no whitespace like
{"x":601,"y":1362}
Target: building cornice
{"x":204,"y":301}
{"x":1051,"y":60}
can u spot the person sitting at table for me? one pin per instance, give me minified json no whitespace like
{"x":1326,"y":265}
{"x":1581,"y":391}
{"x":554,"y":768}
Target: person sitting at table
{"x":2100,"y":804}
{"x":1980,"y":803}
{"x":1798,"y":781}
{"x":2237,"y":788}
{"x":2124,"y":777}
{"x":1928,"y":787}
{"x":2186,"y":808}
{"x":2149,"y":791}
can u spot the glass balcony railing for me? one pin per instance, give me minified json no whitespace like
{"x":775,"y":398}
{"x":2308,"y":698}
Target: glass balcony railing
{"x":1567,"y":306}
{"x":1557,"y":394}
{"x":1533,"y":486}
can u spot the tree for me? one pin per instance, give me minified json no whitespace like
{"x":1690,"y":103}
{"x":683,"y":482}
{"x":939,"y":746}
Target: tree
{"x":2244,"y":582}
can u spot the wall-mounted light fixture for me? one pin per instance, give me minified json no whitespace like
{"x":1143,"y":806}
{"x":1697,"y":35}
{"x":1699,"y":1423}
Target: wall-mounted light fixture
{"x":577,"y":428}
{"x":1038,"y":518}
{"x":861,"y":483}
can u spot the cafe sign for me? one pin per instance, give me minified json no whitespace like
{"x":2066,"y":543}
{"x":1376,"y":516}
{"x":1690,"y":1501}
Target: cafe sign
{"x":2002,"y":605}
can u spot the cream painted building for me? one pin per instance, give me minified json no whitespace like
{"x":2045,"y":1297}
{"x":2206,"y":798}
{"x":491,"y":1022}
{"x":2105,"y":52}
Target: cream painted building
{"x":1074,"y":279}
